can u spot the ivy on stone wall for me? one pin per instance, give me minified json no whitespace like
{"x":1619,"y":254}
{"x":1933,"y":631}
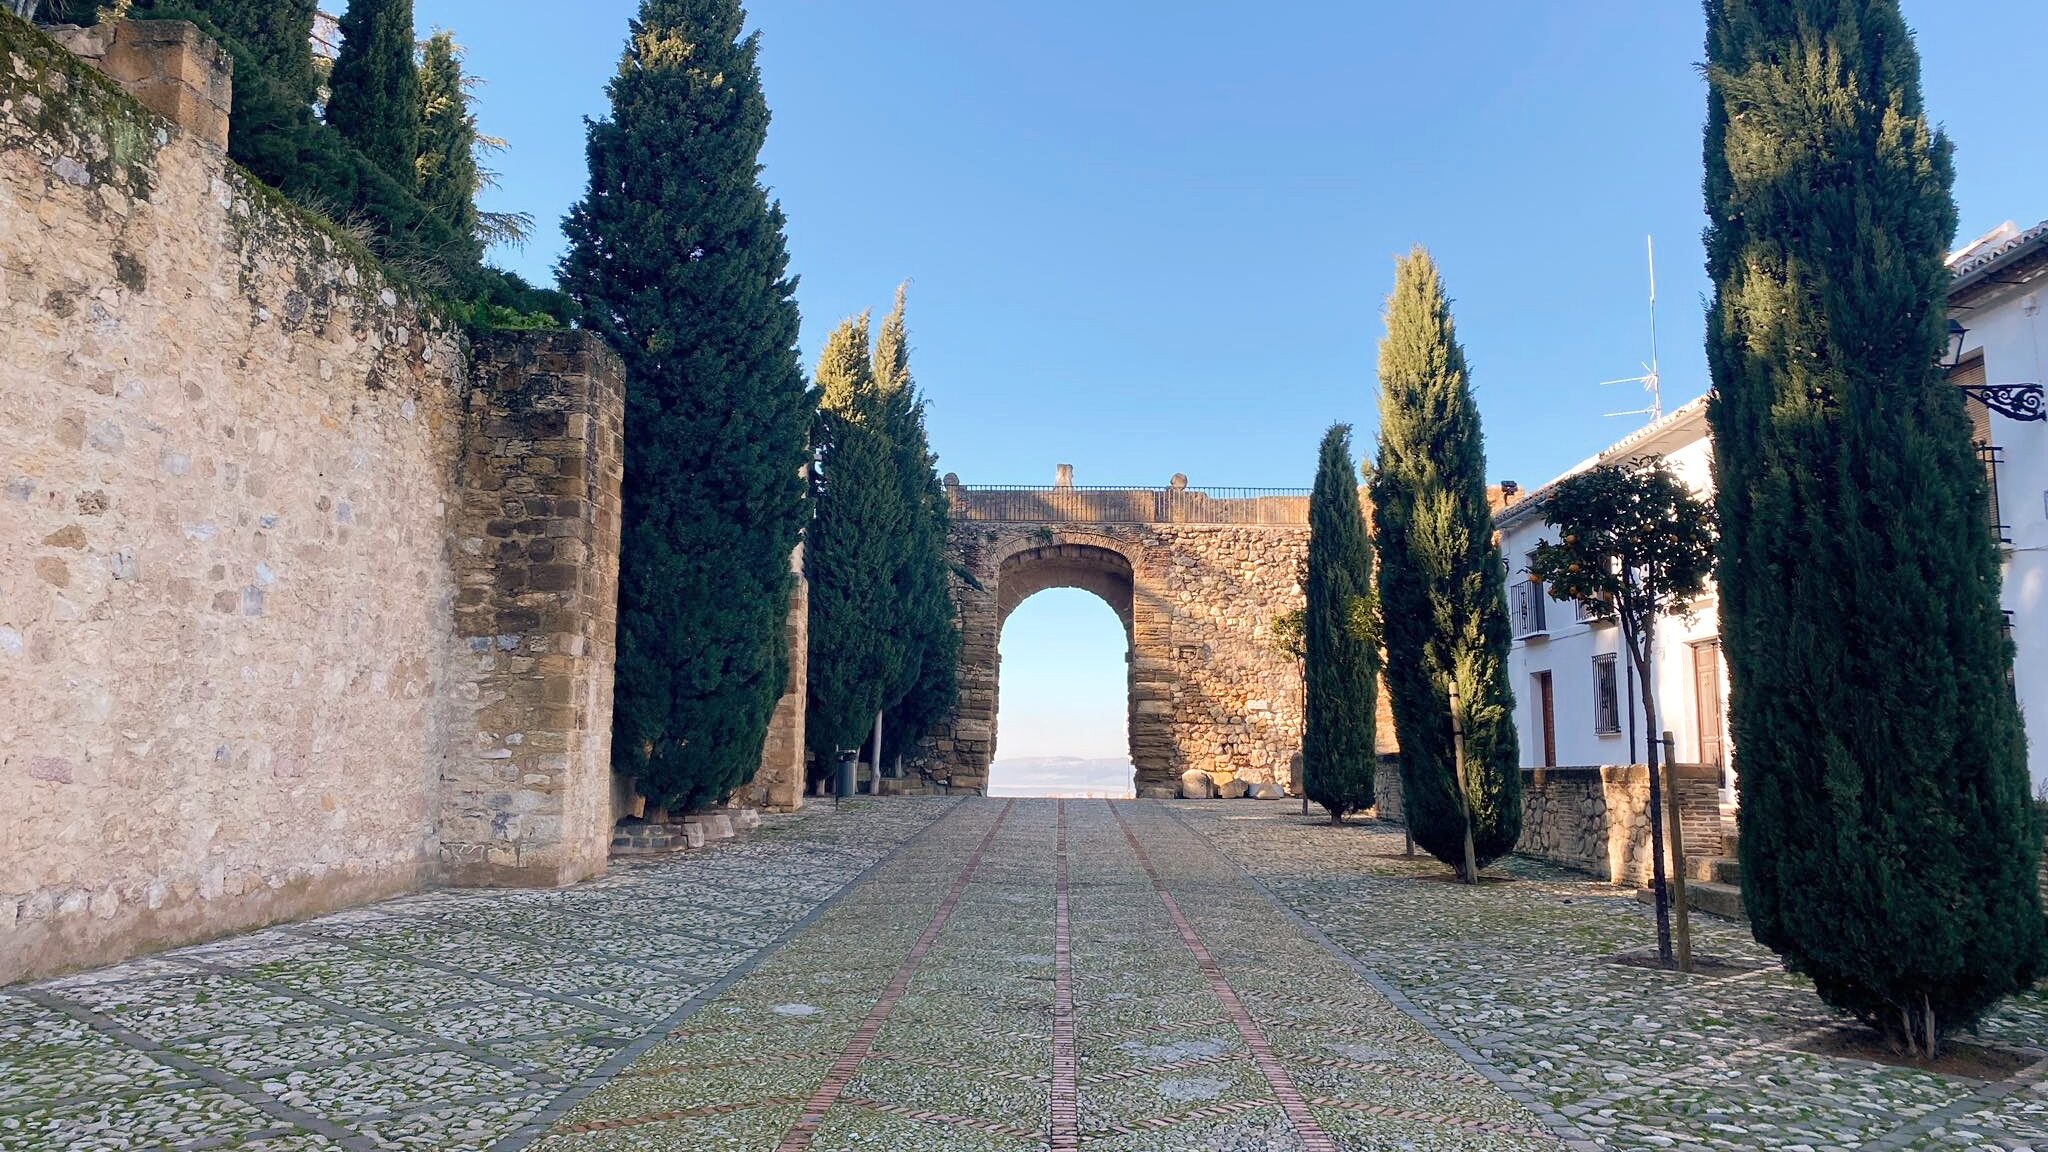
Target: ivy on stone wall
{"x":274,"y":133}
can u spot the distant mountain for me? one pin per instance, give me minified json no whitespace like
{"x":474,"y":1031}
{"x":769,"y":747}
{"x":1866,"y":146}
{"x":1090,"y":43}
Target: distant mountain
{"x":1063,"y":776}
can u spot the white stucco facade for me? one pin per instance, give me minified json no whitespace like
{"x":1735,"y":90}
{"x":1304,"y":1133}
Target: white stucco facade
{"x":1595,"y":718}
{"x":1997,"y":295}
{"x":2001,"y":281}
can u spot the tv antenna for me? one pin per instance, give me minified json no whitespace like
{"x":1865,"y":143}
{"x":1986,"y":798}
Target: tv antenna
{"x":1652,"y":382}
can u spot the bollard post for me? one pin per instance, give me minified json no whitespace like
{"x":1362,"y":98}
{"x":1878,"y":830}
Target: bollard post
{"x":844,"y":785}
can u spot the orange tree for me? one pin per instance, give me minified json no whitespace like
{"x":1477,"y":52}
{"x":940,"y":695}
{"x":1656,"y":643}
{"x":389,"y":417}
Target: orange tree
{"x":1636,"y":545}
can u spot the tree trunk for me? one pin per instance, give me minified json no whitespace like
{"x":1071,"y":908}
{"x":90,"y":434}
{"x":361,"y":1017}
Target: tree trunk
{"x":1640,"y":651}
{"x":1469,"y":873}
{"x":1681,"y":915}
{"x":878,"y":750}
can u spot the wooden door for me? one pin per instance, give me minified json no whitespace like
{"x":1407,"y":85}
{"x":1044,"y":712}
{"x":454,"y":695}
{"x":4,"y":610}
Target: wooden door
{"x":1546,"y":705}
{"x":1706,"y":680}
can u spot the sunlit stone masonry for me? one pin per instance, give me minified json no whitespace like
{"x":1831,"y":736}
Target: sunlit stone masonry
{"x":1198,"y":579}
{"x":307,"y":601}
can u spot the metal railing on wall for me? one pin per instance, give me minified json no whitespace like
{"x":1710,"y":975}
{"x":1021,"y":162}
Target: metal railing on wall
{"x":1992,"y":458}
{"x":1276,"y":507}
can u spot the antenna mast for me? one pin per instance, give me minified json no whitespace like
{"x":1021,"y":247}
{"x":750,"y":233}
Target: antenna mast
{"x":1652,"y":382}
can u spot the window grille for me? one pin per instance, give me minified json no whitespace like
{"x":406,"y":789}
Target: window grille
{"x":1530,"y":615}
{"x":1992,"y":456}
{"x":1606,"y":697}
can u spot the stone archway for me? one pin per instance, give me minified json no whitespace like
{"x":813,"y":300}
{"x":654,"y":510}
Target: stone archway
{"x":1197,"y":579}
{"x":1098,"y":564}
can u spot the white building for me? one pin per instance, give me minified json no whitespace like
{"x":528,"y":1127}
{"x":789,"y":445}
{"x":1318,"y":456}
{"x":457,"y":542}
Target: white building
{"x":1576,"y":699}
{"x":1577,"y":702}
{"x":1996,"y":298}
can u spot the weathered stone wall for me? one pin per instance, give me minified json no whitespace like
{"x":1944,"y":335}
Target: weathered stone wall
{"x":1237,"y":700}
{"x":779,"y":785}
{"x":526,"y":788}
{"x":1209,"y":689}
{"x":1597,"y":819}
{"x":231,"y":457}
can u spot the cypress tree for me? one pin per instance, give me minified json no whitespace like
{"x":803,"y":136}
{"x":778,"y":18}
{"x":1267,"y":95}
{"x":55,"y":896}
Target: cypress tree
{"x":1340,"y":652}
{"x":374,"y":93}
{"x":853,"y":552}
{"x":923,"y":691}
{"x":1888,"y":843}
{"x":679,"y":260}
{"x":1443,"y":593}
{"x":445,"y":166}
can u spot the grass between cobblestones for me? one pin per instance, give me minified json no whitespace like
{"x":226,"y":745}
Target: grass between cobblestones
{"x":1631,"y":1057}
{"x":1142,"y":977}
{"x":447,"y":1020}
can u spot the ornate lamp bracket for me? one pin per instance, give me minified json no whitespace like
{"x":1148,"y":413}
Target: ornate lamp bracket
{"x":2012,"y":401}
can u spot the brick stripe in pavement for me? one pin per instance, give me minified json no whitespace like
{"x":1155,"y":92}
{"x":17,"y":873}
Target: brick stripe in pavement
{"x":1066,"y":1065}
{"x":1313,"y":1137}
{"x":842,"y":1072}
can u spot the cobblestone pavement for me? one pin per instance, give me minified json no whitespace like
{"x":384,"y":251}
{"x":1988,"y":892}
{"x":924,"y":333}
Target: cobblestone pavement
{"x":1036,"y":974}
{"x":449,"y":1020}
{"x":982,"y":976}
{"x":1519,"y":973}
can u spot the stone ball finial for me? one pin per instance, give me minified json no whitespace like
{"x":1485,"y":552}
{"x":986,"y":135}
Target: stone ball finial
{"x":1063,"y":476}
{"x":1179,"y":481}
{"x":952,"y":480}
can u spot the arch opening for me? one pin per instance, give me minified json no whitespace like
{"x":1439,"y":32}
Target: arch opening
{"x":1063,"y":682}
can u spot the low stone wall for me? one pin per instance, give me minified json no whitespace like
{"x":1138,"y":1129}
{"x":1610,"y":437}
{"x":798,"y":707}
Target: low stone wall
{"x":1597,"y":819}
{"x":1387,"y":789}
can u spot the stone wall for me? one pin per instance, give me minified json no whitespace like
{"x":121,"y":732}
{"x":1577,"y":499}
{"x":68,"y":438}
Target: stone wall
{"x":526,"y":788}
{"x":1597,"y":819}
{"x":1209,"y":689}
{"x":231,"y":466}
{"x":779,"y":785}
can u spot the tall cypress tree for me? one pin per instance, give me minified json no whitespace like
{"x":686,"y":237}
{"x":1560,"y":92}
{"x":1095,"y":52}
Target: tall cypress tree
{"x":1340,"y":652}
{"x":445,"y":165}
{"x":1888,"y":844}
{"x":853,"y":552}
{"x":1443,"y":594}
{"x":678,"y":257}
{"x":374,"y":93}
{"x":924,"y":688}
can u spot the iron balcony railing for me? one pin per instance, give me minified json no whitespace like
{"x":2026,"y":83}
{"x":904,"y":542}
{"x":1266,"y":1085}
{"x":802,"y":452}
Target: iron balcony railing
{"x":1276,"y":507}
{"x":1992,"y":456}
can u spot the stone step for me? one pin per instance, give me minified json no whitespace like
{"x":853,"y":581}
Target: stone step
{"x":1714,"y":869}
{"x":646,"y":840}
{"x":894,"y":786}
{"x":1723,"y":900}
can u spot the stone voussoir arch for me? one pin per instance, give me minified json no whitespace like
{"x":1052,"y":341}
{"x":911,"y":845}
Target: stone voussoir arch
{"x":1198,"y":578}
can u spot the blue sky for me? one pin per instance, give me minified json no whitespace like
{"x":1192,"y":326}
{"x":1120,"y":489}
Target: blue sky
{"x":1148,"y":237}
